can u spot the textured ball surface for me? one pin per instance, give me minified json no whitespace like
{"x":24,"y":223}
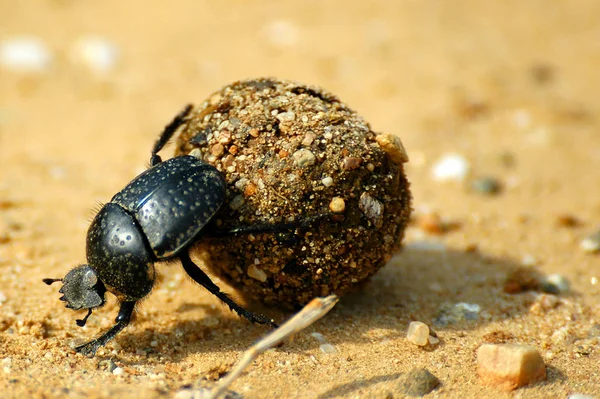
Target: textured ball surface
{"x":291,"y":153}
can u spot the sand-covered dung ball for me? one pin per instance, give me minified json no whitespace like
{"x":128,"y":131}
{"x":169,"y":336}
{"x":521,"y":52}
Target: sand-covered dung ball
{"x":319,"y":199}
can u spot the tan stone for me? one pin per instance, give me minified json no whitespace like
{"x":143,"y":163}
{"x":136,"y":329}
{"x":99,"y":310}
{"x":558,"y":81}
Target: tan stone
{"x":509,"y":366}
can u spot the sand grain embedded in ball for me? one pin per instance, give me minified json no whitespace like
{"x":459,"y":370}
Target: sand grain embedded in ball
{"x":288,"y":152}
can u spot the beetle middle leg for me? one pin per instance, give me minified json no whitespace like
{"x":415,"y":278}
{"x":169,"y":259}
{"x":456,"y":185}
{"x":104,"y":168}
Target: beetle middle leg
{"x":123,"y":318}
{"x":302,"y":223}
{"x":201,"y":278}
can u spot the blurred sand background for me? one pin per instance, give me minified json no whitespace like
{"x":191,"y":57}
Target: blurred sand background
{"x":510,"y":86}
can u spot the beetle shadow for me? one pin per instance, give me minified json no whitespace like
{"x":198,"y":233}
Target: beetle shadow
{"x":417,"y":284}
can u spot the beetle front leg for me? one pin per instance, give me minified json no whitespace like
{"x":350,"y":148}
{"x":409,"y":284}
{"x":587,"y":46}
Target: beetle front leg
{"x":201,"y":278}
{"x":123,"y":318}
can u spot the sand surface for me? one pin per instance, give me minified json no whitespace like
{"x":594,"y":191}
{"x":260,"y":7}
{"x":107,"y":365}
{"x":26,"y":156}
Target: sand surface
{"x":511,"y":86}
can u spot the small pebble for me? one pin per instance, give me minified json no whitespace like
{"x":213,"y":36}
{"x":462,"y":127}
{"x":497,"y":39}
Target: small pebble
{"x":450,"y":314}
{"x":393,"y":146}
{"x":25,"y":54}
{"x":555,"y":284}
{"x":351,"y":163}
{"x":580,"y":396}
{"x":372,"y":209}
{"x":286,"y":116}
{"x":304,"y":158}
{"x":257,"y":273}
{"x":509,"y":366}
{"x":433,"y":340}
{"x":417,"y":382}
{"x":118,"y":371}
{"x":237,"y":202}
{"x":591,"y":243}
{"x":327,"y":181}
{"x":337,"y":205}
{"x":96,"y":53}
{"x":486,"y":186}
{"x":325,"y":347}
{"x":418,"y":333}
{"x":2,"y":298}
{"x":451,"y":167}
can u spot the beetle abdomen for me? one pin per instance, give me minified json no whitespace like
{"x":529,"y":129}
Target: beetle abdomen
{"x":173,"y":201}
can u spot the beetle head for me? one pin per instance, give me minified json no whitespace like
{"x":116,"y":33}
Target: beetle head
{"x":82,"y":289}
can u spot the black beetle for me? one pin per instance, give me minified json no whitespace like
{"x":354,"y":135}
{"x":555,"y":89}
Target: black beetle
{"x":156,"y":217}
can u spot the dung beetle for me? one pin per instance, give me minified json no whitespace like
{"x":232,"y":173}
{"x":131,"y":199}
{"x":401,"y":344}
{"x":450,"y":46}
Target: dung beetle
{"x":156,"y":217}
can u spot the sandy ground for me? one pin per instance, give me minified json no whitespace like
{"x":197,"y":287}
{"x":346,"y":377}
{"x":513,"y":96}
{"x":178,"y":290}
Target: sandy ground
{"x":511,"y":86}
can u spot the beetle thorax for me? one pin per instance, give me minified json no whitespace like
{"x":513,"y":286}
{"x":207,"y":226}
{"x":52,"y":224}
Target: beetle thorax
{"x":118,"y":251}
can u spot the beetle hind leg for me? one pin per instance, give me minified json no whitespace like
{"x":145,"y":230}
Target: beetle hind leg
{"x":201,"y":278}
{"x":167,"y":133}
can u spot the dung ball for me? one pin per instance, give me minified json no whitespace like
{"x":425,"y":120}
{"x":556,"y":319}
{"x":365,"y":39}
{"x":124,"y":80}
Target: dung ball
{"x":319,"y":201}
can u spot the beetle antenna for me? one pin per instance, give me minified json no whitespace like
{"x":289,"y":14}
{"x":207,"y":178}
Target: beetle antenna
{"x":81,"y":322}
{"x":51,"y":280}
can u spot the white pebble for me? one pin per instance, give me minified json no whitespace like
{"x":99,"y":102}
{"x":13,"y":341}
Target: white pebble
{"x":286,"y":116}
{"x":304,"y":157}
{"x":118,"y":371}
{"x":580,"y":396}
{"x":433,"y":340}
{"x":327,"y":348}
{"x":257,"y":273}
{"x":25,"y":54}
{"x":418,"y":333}
{"x":558,"y":281}
{"x":451,"y":167}
{"x":97,"y":54}
{"x":327,"y":181}
{"x":591,"y":243}
{"x":470,"y":310}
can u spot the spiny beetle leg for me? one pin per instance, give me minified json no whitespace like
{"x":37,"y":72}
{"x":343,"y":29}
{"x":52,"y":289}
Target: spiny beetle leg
{"x":201,"y":278}
{"x":123,"y":318}
{"x":167,"y":133}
